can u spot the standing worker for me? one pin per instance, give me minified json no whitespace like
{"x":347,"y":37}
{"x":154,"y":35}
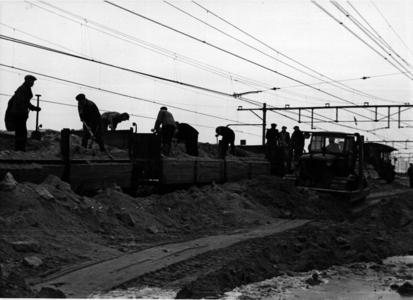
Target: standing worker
{"x":297,"y":142}
{"x":166,"y":119}
{"x":112,"y":119}
{"x":410,"y":173}
{"x":190,"y":135}
{"x":92,"y":121}
{"x":284,"y":139}
{"x":272,"y":138}
{"x":17,"y":112}
{"x":228,"y":137}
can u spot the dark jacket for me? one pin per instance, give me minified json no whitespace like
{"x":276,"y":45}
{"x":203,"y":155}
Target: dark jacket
{"x":21,"y":100}
{"x":185,"y":132}
{"x":284,"y":136}
{"x":227,"y":134}
{"x":89,"y":113}
{"x":297,"y":139}
{"x":272,"y":135}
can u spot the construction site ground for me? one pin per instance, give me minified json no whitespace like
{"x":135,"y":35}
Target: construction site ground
{"x":251,"y":239}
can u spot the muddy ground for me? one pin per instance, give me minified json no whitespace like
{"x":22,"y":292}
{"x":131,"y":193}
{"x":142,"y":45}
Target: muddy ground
{"x":48,"y":228}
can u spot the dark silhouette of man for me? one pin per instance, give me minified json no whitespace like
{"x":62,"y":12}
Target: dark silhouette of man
{"x":332,"y":146}
{"x":410,"y":173}
{"x":190,"y":135}
{"x":297,"y":142}
{"x":228,"y":137}
{"x":111,"y":119}
{"x":272,"y":138}
{"x":90,"y":116}
{"x":17,"y":112}
{"x":166,"y":119}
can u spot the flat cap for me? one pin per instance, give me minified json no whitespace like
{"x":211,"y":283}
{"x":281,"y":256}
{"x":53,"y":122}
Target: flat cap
{"x":30,"y":77}
{"x":296,"y":127}
{"x":80,"y":97}
{"x":284,"y":127}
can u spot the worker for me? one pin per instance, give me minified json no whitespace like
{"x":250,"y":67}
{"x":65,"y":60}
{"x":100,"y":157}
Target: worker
{"x":284,"y":140}
{"x":410,"y":173}
{"x":272,"y":138}
{"x":332,"y":146}
{"x":228,"y":137}
{"x":17,"y":112}
{"x":166,"y":119}
{"x":111,"y":119}
{"x":284,"y":137}
{"x":190,"y":135}
{"x":297,"y":142}
{"x":92,"y":121}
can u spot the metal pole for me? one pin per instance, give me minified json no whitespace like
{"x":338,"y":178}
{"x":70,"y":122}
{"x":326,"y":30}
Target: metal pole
{"x":264,"y":124}
{"x":37,"y":113}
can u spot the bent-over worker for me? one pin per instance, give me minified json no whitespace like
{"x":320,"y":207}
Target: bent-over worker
{"x":228,"y":137}
{"x":111,"y":119}
{"x":190,"y":135}
{"x":90,"y":116}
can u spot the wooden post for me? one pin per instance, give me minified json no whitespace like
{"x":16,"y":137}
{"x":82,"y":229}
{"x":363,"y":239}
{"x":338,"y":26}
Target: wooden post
{"x":65,"y":151}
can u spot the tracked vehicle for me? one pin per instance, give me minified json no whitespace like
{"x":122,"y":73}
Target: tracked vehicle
{"x":333,"y":164}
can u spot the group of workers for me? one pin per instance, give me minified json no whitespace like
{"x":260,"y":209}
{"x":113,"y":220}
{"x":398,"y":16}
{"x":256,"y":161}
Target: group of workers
{"x":170,"y":129}
{"x":293,"y":144}
{"x":95,"y":124}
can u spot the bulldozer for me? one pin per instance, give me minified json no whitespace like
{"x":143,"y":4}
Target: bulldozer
{"x":333,"y":164}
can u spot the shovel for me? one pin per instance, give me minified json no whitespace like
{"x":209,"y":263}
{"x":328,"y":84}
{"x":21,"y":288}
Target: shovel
{"x":93,"y":139}
{"x":36,"y":135}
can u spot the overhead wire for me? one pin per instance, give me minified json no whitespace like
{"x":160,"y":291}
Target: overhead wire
{"x":359,"y":38}
{"x":117,"y":93}
{"x":174,"y":54}
{"x":353,"y":90}
{"x":378,"y":35}
{"x":391,"y":27}
{"x":318,"y":73}
{"x":376,"y":40}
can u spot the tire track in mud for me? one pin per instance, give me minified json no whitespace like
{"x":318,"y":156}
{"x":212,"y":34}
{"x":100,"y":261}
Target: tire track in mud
{"x":108,"y":274}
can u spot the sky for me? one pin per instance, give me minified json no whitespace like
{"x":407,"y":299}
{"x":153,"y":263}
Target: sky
{"x":193,"y":56}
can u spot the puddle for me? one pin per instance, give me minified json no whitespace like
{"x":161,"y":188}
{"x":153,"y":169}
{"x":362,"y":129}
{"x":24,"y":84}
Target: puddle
{"x":362,"y":281}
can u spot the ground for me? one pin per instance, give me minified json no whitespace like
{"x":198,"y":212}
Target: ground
{"x":48,"y":232}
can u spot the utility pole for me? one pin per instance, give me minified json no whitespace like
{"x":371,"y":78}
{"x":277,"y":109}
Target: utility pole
{"x":263,"y":118}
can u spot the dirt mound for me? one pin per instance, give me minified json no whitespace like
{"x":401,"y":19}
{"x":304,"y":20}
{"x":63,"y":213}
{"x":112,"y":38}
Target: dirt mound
{"x":315,"y":246}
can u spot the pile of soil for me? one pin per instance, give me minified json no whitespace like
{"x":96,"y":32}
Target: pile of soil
{"x":49,"y":146}
{"x":47,"y":227}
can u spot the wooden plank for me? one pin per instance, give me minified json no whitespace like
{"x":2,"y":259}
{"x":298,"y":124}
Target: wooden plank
{"x":34,"y":173}
{"x":209,"y":171}
{"x":176,"y":171}
{"x":237,"y":170}
{"x":259,"y":168}
{"x":99,"y":176}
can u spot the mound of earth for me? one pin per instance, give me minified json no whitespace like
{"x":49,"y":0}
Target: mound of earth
{"x":49,"y":148}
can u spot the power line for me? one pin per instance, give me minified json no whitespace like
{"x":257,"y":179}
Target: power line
{"x":391,"y":27}
{"x":116,"y":93}
{"x":347,"y":88}
{"x":372,"y":37}
{"x":225,"y":51}
{"x":364,"y":42}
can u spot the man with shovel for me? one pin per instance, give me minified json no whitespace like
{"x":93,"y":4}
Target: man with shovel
{"x":17,"y":112}
{"x":92,"y":122}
